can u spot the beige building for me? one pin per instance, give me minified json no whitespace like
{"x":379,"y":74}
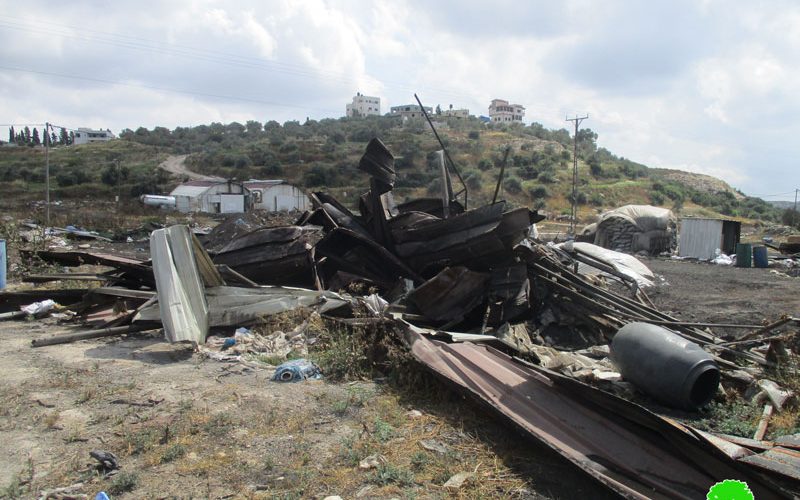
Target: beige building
{"x":363,"y":105}
{"x":502,"y":111}
{"x":456,"y":113}
{"x":407,"y":111}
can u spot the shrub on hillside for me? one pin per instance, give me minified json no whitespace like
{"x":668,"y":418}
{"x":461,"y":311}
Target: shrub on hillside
{"x":539,"y":192}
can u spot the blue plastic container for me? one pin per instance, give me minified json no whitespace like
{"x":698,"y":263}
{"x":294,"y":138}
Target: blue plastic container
{"x":760,"y":256}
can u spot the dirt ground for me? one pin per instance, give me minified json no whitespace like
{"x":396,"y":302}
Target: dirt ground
{"x":703,"y":292}
{"x":184,"y":426}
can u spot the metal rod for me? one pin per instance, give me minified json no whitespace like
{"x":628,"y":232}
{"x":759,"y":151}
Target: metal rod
{"x":765,"y":329}
{"x":500,"y":177}
{"x":91,"y":334}
{"x":452,"y":164}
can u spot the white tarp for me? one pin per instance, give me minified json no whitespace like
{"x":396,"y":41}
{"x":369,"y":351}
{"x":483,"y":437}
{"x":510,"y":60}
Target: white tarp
{"x":645,"y":217}
{"x":623,"y":263}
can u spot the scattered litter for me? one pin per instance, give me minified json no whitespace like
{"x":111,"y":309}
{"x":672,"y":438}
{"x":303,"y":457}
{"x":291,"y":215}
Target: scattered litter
{"x":372,"y":462}
{"x":39,"y":309}
{"x":296,"y":371}
{"x":457,"y":480}
{"x":721,"y":259}
{"x":107,"y":460}
{"x":434,"y":445}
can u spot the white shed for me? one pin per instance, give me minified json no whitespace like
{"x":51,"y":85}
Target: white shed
{"x":276,"y":195}
{"x":700,"y":238}
{"x":216,"y":197}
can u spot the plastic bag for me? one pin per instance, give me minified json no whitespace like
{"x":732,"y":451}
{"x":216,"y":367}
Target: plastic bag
{"x":296,"y":370}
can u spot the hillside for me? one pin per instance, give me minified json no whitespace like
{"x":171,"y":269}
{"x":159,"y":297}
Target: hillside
{"x":323,"y":155}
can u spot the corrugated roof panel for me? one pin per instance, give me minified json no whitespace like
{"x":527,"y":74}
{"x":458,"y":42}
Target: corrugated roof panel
{"x":190,"y":191}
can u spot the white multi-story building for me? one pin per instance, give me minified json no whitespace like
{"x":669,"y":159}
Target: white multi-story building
{"x":502,"y":111}
{"x":87,"y":135}
{"x":407,"y":111}
{"x":364,"y":105}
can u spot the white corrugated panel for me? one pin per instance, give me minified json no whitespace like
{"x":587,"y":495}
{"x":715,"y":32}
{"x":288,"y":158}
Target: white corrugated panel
{"x":700,"y":238}
{"x":181,"y":294}
{"x":190,"y":191}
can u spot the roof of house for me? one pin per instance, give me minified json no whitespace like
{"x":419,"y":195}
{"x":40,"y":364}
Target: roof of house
{"x":257,"y":183}
{"x":189,"y":190}
{"x":195,"y":188}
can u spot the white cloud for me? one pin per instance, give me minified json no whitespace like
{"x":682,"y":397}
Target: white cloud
{"x":707,"y":86}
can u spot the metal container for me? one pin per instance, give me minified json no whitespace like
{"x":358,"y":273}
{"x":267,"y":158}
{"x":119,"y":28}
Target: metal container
{"x":760,"y":256}
{"x":155,"y":200}
{"x":744,"y":255}
{"x":2,"y":264}
{"x":668,"y":367}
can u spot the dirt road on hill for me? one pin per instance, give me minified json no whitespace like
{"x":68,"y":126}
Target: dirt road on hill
{"x":176,"y":165}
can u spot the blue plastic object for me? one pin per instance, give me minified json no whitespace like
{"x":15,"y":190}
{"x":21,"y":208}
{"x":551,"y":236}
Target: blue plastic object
{"x":760,"y":258}
{"x":296,"y":370}
{"x":229,"y":342}
{"x":102,"y":496}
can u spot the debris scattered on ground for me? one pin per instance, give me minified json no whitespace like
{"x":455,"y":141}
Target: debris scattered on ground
{"x":522,"y":326}
{"x":296,"y":370}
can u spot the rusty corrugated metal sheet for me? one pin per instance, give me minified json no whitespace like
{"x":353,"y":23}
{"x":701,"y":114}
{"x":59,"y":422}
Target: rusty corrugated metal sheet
{"x":778,"y":460}
{"x":626,"y":448}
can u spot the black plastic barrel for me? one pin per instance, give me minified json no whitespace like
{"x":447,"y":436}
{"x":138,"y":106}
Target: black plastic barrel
{"x":668,"y":367}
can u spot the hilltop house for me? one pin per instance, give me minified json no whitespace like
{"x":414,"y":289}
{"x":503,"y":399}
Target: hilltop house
{"x":87,"y":135}
{"x":363,"y":105}
{"x":502,"y":111}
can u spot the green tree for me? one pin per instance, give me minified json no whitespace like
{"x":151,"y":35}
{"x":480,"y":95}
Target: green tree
{"x":26,"y":135}
{"x":11,"y":136}
{"x":253,"y":128}
{"x":35,"y":137}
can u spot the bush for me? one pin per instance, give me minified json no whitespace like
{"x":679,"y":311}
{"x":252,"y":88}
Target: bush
{"x":596,"y":199}
{"x":547,"y":178}
{"x":473,"y":179}
{"x":539,"y":192}
{"x":484,"y":165}
{"x":656,"y":198}
{"x":474,"y":135}
{"x":512,"y":185}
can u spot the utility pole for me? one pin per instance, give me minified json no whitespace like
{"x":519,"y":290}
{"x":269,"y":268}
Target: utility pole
{"x":574,"y":212}
{"x":794,"y":211}
{"x":118,"y":181}
{"x":47,"y":175}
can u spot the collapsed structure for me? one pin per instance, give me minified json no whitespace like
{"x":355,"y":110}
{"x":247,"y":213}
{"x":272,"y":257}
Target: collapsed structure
{"x":522,"y":326}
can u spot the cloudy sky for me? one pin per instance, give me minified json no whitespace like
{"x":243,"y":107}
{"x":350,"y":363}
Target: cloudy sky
{"x":709,"y":86}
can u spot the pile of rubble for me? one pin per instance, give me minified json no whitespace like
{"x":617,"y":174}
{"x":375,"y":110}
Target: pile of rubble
{"x":518,"y":324}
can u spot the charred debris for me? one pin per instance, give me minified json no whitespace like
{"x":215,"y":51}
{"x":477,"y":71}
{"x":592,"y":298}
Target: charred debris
{"x":556,"y":339}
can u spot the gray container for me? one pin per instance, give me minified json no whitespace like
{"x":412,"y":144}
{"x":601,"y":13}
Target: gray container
{"x":668,"y":367}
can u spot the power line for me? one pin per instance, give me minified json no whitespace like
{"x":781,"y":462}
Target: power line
{"x":144,"y":44}
{"x":165,"y":89}
{"x":771,"y":195}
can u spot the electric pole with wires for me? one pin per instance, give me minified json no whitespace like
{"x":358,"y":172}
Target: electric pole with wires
{"x":573,"y":217}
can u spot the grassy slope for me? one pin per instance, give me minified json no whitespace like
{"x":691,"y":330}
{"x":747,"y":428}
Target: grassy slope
{"x":324,"y":156}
